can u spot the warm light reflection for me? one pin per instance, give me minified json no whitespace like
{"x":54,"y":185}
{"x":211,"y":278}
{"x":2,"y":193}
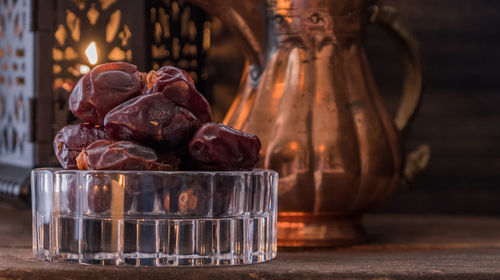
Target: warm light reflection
{"x":283,"y":4}
{"x":91,"y":53}
{"x":67,"y":87}
{"x":84,"y":69}
{"x":121,"y":181}
{"x":294,"y":146}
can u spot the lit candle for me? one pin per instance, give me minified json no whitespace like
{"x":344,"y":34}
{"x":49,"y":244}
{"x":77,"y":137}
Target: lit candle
{"x":91,"y":53}
{"x":84,"y":69}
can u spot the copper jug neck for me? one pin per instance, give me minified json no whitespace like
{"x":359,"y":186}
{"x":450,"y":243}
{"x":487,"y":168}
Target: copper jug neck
{"x":343,"y":17}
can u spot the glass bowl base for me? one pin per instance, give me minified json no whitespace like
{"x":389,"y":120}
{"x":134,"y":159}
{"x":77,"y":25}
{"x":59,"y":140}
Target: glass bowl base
{"x":158,"y":242}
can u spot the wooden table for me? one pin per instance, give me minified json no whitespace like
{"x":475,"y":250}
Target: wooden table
{"x":401,"y":247}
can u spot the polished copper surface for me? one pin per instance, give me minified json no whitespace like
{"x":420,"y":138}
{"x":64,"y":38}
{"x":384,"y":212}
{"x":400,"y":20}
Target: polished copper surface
{"x":308,"y":92}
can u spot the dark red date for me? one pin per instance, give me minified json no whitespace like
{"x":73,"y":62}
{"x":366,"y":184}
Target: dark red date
{"x":71,"y":139}
{"x":120,"y":155}
{"x":152,"y":119}
{"x":179,"y":88}
{"x":219,"y":147}
{"x":105,"y":87}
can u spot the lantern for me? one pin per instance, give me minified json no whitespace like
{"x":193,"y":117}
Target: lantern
{"x":46,"y":46}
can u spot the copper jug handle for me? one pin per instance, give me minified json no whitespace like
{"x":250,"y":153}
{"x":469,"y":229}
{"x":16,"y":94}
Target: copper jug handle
{"x":387,"y":18}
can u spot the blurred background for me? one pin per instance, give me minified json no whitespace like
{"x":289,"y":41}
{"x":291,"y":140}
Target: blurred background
{"x":458,"y":117}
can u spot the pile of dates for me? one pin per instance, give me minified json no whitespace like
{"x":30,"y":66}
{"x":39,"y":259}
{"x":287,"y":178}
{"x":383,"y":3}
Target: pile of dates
{"x":148,"y":121}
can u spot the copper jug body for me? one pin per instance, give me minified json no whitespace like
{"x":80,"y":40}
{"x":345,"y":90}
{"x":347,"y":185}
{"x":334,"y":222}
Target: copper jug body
{"x":308,"y":92}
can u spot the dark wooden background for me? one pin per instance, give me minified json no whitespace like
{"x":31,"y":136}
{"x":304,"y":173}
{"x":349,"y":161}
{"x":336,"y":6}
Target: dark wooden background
{"x":459,"y":115}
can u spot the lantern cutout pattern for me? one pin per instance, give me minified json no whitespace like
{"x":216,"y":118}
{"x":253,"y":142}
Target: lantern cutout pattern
{"x":180,"y":37}
{"x":87,"y":33}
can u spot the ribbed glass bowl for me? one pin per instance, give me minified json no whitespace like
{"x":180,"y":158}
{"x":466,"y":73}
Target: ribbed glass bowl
{"x":154,"y":218}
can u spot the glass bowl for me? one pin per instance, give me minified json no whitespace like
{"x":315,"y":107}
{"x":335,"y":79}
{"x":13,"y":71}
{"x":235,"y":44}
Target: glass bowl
{"x":154,"y":218}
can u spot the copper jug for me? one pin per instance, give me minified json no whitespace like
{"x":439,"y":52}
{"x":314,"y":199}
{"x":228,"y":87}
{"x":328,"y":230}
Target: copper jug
{"x":308,"y":92}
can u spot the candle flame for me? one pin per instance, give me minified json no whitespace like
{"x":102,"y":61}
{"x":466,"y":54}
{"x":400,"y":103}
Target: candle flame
{"x":91,"y":53}
{"x":84,"y":69}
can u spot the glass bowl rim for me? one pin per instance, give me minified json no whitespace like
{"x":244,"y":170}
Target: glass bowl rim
{"x":58,"y":170}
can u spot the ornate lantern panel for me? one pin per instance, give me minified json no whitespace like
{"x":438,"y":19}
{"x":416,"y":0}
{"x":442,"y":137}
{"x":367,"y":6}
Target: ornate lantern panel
{"x":16,"y":83}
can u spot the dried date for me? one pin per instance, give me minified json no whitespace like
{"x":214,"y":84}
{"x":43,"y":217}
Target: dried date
{"x":120,"y":155}
{"x":219,"y":147}
{"x":152,"y":119}
{"x":105,"y":87}
{"x":71,"y":139}
{"x":179,"y":88}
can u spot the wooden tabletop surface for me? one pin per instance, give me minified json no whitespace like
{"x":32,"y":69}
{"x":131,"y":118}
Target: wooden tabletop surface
{"x":401,"y":247}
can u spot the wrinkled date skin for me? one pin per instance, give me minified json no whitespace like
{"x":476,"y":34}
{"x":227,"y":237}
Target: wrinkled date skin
{"x":105,"y":87}
{"x":179,"y":88}
{"x":152,"y":119}
{"x":71,"y":139}
{"x":120,"y":155}
{"x":219,"y":147}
